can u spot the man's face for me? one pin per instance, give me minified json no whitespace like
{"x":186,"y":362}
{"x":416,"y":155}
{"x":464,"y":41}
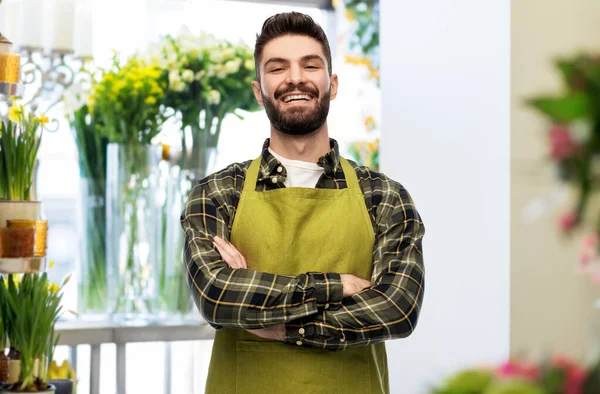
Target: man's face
{"x":295,"y":86}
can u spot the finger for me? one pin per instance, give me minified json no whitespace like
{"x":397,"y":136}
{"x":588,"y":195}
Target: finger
{"x":240,"y":261}
{"x":241,"y":258}
{"x":235,"y":253}
{"x":229,"y":259}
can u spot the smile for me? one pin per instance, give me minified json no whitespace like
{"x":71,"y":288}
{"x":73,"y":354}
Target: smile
{"x":297,"y":98}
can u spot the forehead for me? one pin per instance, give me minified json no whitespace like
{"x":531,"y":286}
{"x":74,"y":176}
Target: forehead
{"x":292,"y":47}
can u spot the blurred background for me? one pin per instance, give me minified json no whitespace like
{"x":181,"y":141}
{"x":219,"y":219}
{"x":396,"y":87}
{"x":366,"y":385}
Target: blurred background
{"x":487,"y":112}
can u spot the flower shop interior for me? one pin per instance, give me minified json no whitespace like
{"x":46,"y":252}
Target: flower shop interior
{"x":487,"y":112}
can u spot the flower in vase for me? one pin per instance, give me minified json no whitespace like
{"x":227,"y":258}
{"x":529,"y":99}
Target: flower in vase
{"x":214,"y":97}
{"x":562,"y":145}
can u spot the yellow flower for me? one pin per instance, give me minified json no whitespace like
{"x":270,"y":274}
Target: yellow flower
{"x":54,"y":288}
{"x":150,"y":100}
{"x":370,"y":123}
{"x":51,"y":264}
{"x":43,"y":119}
{"x":13,"y":99}
{"x":16,"y":113}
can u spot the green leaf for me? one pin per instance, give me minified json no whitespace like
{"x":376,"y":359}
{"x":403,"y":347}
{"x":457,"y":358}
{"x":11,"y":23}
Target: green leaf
{"x":563,"y":109}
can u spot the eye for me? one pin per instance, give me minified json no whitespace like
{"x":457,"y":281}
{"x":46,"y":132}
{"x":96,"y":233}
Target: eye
{"x":312,"y":67}
{"x":276,"y":69}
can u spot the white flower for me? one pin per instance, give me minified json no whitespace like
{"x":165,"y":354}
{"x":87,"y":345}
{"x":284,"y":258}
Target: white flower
{"x":214,"y":97}
{"x":228,"y":53}
{"x":211,"y":71}
{"x":249,"y":64}
{"x":172,"y":59}
{"x":233,"y":66}
{"x":178,"y":86}
{"x":174,"y":76}
{"x":188,"y":75}
{"x":216,"y":56}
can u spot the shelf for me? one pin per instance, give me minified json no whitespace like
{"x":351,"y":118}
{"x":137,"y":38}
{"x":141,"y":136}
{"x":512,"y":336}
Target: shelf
{"x":11,"y":89}
{"x":24,"y":265}
{"x":73,"y":333}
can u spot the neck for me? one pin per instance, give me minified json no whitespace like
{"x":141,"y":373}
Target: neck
{"x":309,"y":147}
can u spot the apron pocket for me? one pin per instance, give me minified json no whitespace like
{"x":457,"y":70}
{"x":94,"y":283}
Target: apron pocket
{"x":274,"y":367}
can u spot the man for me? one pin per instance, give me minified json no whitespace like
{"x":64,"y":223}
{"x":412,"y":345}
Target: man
{"x":304,"y":262}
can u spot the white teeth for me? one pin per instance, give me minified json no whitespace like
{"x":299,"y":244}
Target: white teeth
{"x":287,"y":99}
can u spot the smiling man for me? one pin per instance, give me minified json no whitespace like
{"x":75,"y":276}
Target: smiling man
{"x":305,"y":262}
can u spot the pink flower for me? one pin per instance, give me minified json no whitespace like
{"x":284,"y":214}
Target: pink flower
{"x":589,"y":252}
{"x":575,"y":374}
{"x":561,"y":144}
{"x":568,"y":221}
{"x":590,"y":241}
{"x":513,"y":369}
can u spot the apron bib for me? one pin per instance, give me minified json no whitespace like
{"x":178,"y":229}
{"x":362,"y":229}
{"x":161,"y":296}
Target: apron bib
{"x":290,"y":231}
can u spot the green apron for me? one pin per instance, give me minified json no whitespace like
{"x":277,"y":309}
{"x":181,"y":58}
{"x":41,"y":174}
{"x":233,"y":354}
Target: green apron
{"x":290,"y":231}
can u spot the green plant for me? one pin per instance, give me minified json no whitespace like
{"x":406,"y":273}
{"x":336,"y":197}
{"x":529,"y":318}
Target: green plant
{"x":92,"y":151}
{"x":32,"y":307}
{"x":20,"y":138}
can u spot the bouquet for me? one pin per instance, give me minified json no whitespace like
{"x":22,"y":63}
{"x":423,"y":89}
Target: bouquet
{"x":573,"y":137}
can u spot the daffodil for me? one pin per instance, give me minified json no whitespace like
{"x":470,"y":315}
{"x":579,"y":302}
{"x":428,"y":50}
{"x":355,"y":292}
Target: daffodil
{"x":16,"y":114}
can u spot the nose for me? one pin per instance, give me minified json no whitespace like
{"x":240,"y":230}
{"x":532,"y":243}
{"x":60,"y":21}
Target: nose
{"x":295,"y":75}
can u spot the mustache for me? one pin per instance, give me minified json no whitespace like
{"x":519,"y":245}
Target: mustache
{"x":296,"y":88}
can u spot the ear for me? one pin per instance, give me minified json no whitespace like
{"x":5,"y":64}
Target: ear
{"x":334,"y":86}
{"x":257,"y":92}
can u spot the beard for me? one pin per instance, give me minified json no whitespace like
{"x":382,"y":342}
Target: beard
{"x":300,"y":120}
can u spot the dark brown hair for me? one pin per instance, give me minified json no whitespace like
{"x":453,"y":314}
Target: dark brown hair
{"x":290,"y":23}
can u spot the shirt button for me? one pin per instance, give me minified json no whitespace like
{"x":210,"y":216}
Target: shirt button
{"x":274,"y":179}
{"x":279,"y":169}
{"x":299,"y":343}
{"x":342,"y":340}
{"x":301,"y":331}
{"x":326,"y":306}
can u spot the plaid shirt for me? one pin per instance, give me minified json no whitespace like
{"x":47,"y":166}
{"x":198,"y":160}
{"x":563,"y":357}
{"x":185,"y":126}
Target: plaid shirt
{"x":310,"y":304}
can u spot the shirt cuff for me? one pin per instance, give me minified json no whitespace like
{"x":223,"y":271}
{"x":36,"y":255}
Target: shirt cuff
{"x":328,"y":289}
{"x":296,"y":333}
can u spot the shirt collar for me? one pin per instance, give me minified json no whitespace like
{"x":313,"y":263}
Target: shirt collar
{"x":270,"y":166}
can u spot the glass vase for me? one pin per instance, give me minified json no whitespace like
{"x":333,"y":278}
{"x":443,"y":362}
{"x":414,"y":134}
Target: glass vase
{"x":92,"y":264}
{"x":174,"y":290}
{"x":133,"y":214}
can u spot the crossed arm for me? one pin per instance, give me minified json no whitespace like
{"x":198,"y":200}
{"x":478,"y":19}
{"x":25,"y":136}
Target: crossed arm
{"x":317,"y":308}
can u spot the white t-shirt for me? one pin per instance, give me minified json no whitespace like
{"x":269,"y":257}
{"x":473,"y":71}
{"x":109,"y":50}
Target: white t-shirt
{"x":299,"y":173}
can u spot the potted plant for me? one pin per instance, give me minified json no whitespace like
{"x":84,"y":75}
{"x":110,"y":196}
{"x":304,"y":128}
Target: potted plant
{"x":31,"y":308}
{"x":20,"y":137}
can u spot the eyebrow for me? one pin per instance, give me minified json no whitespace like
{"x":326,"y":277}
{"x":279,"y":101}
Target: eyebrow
{"x":304,"y":59}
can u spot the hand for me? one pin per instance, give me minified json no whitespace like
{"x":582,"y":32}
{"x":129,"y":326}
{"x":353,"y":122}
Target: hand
{"x":353,"y":284}
{"x":230,"y":254}
{"x":276,"y":333}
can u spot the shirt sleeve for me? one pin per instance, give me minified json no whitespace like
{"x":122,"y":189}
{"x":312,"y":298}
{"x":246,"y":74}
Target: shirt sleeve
{"x":388,"y":309}
{"x":241,"y":298}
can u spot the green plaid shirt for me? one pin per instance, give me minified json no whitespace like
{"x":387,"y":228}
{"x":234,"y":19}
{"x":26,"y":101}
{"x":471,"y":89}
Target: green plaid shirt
{"x":310,"y":304}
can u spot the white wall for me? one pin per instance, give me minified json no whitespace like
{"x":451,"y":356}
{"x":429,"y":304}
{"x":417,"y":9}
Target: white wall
{"x":446,"y":136}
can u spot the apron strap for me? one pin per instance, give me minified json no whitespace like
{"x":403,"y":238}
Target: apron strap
{"x":350,"y":175}
{"x":252,"y":176}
